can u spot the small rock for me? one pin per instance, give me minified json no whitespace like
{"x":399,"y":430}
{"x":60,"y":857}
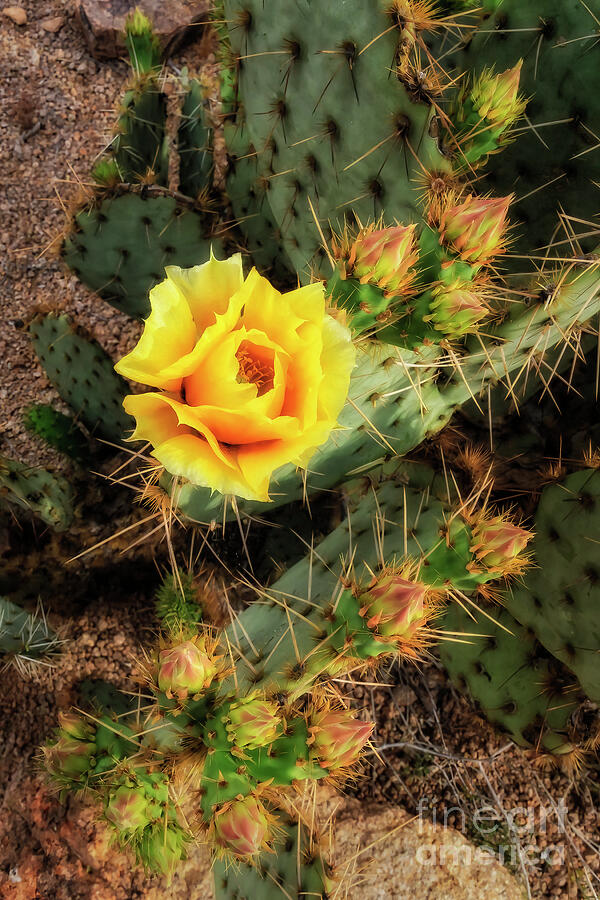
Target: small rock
{"x":16,"y":13}
{"x":53,"y":24}
{"x":103,"y":22}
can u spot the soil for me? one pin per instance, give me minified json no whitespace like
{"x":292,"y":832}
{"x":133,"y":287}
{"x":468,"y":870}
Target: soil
{"x":436,"y":756}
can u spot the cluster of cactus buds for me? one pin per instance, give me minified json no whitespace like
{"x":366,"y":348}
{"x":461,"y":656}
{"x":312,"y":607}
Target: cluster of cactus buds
{"x":408,"y":288}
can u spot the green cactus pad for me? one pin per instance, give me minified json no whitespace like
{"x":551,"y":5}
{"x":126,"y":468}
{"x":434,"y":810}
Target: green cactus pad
{"x":194,"y":143}
{"x":329,"y":122}
{"x":560,"y":598}
{"x":26,"y":639}
{"x":299,"y":638}
{"x":554,"y":163}
{"x":516,"y":685}
{"x":140,"y":147}
{"x":84,"y":376}
{"x":120,"y":244}
{"x":46,"y":495}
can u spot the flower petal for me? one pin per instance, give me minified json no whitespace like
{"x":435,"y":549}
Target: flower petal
{"x":156,"y":421}
{"x":258,"y":461}
{"x":169,"y":333}
{"x":209,"y":287}
{"x":337,"y":361}
{"x":191,"y":457}
{"x":308,"y":302}
{"x":269,"y":311}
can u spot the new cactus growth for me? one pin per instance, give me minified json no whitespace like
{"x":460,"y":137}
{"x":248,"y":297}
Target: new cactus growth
{"x":37,"y":490}
{"x":83,"y":375}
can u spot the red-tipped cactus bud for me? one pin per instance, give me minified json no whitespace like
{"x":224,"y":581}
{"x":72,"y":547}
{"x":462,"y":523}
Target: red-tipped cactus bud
{"x":497,"y":542}
{"x":185,"y":669}
{"x":385,"y":257}
{"x":337,"y":738}
{"x":455,"y":309}
{"x":128,"y":808}
{"x":253,"y":723}
{"x":69,"y":757}
{"x":242,"y":827}
{"x":395,"y":607}
{"x":495,"y":97}
{"x":475,"y":227}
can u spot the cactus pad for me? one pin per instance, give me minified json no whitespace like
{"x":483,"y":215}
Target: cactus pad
{"x":120,"y":244}
{"x":84,"y":376}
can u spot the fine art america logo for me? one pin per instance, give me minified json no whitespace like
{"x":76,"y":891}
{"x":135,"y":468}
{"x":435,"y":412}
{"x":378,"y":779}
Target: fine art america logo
{"x":513,"y":837}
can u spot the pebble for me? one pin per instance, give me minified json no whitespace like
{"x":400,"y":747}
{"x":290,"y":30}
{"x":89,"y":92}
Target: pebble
{"x":16,"y":13}
{"x":53,"y":24}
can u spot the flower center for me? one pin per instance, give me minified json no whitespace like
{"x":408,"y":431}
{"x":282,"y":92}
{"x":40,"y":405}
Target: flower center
{"x":256,"y":366}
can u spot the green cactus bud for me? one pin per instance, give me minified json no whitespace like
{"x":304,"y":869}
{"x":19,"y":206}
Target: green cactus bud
{"x":75,"y":726}
{"x":496,"y":97}
{"x":69,"y":758}
{"x":474,"y":228}
{"x":128,"y":808}
{"x":337,"y":738}
{"x":253,"y":723}
{"x":185,"y":669}
{"x":142,"y":44}
{"x":456,"y":309}
{"x":242,"y":827}
{"x":160,"y":848}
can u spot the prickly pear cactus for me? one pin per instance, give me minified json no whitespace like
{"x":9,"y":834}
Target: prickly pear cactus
{"x":517,"y":686}
{"x":45,"y":495}
{"x":554,"y":164}
{"x":120,"y":242}
{"x":322,"y":611}
{"x":26,"y":640}
{"x":136,"y":221}
{"x":83,"y":375}
{"x":332,"y":122}
{"x":560,"y":597}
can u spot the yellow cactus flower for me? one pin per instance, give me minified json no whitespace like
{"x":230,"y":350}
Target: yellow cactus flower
{"x":249,"y":379}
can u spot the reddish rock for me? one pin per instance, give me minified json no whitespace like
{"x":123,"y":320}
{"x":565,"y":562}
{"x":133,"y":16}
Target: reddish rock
{"x":103,"y":21}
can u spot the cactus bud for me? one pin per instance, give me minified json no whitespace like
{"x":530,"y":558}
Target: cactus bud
{"x":395,"y":607}
{"x":337,"y":738}
{"x":253,"y":723}
{"x":474,"y":228}
{"x":69,"y":757}
{"x":384,"y":257}
{"x":75,"y":726}
{"x":185,"y":669}
{"x":128,"y":808}
{"x":496,"y":542}
{"x":242,"y":827}
{"x":495,"y":97}
{"x":455,"y":309}
{"x":160,"y":848}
